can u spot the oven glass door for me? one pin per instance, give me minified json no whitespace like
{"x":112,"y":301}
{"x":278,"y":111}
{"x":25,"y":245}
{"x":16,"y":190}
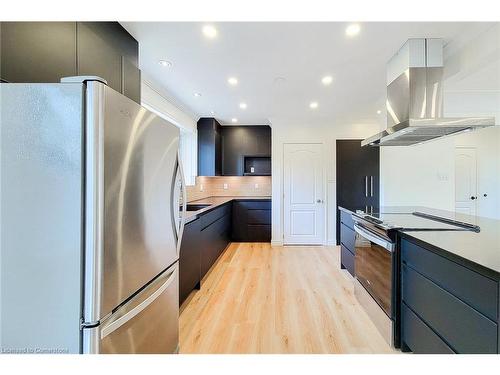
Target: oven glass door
{"x":373,"y":266}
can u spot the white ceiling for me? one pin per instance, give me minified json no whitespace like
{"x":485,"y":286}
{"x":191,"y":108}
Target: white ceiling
{"x":258,"y":53}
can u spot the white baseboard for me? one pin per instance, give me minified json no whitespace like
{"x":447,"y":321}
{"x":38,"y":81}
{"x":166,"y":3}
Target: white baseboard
{"x":276,"y":243}
{"x":331,"y":243}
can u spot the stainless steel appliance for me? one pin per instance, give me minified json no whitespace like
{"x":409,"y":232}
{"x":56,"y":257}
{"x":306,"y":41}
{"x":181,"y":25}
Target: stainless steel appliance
{"x":91,"y":226}
{"x":376,"y":261}
{"x":414,"y":103}
{"x":375,"y":270}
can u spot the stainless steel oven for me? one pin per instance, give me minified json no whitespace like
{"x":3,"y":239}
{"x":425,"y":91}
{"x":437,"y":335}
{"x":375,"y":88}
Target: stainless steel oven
{"x":374,"y":267}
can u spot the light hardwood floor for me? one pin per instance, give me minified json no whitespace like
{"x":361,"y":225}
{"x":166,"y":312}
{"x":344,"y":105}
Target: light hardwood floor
{"x":263,"y":299}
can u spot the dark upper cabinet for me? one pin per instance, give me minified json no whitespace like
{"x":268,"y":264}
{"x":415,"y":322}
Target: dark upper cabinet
{"x":48,"y":51}
{"x":243,"y":141}
{"x":232,"y":144}
{"x":37,"y":51}
{"x":97,"y":55}
{"x":222,"y":149}
{"x":209,"y":147}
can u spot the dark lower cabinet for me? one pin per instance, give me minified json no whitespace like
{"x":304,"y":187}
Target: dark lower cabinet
{"x":189,"y":259}
{"x":206,"y":238}
{"x":347,"y":239}
{"x":446,"y":307}
{"x":251,"y":221}
{"x":215,"y":239}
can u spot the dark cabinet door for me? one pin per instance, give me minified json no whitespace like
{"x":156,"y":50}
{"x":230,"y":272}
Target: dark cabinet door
{"x":98,"y":55}
{"x":232,"y":144}
{"x":131,"y":80}
{"x":209,"y":147}
{"x":241,"y":141}
{"x":37,"y":51}
{"x":189,"y":260}
{"x":357,"y":177}
{"x":264,"y":141}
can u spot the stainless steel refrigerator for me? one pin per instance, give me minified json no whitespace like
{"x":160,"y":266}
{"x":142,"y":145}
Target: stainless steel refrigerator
{"x":90,"y":221}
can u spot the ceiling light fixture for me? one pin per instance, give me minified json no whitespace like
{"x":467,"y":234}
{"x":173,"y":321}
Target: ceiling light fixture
{"x":313,"y":105}
{"x":234,"y":120}
{"x":233,"y":81}
{"x":243,"y":105}
{"x":165,"y":63}
{"x":209,"y":31}
{"x":379,"y":112}
{"x":197,"y":94}
{"x":352,"y":30}
{"x":327,"y":80}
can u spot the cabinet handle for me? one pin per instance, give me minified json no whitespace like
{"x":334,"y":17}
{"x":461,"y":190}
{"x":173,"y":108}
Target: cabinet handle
{"x":366,"y":186}
{"x":371,"y":186}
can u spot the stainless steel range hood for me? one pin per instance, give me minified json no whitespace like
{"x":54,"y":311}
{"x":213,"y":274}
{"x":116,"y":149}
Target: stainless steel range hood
{"x":415,"y":99}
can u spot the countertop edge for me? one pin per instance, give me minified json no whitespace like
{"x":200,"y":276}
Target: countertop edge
{"x":465,"y":262}
{"x":196,"y":214}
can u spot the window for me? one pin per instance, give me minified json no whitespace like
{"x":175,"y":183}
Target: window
{"x":157,"y":103}
{"x":188,"y":151}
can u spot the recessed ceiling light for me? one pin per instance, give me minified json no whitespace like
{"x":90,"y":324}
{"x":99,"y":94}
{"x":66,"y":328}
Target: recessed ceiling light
{"x":313,"y":105}
{"x":243,"y":105}
{"x":212,"y":112}
{"x":326,"y":80}
{"x":165,"y":63}
{"x":197,"y":94}
{"x":234,"y":120}
{"x":379,"y":112}
{"x":233,"y":81}
{"x":209,"y":31}
{"x":353,"y":29}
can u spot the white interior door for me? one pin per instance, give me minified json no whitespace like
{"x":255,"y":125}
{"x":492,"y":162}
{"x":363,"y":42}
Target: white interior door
{"x":304,"y":196}
{"x":465,"y":180}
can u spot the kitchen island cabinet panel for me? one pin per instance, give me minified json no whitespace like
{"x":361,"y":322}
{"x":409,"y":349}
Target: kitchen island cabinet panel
{"x":463,"y":328}
{"x":462,"y":282}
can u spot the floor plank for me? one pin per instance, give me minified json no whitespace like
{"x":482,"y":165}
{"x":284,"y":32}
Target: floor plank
{"x":260,"y":298}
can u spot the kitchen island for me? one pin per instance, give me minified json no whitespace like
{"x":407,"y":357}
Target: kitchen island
{"x":448,"y":282}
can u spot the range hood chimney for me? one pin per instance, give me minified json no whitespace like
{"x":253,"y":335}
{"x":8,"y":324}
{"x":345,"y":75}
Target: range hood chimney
{"x":415,"y":98}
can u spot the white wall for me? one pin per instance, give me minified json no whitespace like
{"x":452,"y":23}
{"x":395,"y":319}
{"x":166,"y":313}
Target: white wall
{"x":425,"y":174}
{"x":157,"y":100}
{"x":289,"y":131}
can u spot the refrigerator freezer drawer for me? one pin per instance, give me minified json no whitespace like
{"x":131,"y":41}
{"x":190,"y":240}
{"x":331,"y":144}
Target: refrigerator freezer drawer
{"x":148,"y":323}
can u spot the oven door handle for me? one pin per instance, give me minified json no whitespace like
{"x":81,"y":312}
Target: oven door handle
{"x":389,"y":246}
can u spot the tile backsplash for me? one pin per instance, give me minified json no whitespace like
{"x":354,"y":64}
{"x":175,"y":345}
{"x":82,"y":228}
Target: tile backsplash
{"x":229,"y":186}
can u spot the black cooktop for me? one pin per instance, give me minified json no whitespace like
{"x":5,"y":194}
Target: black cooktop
{"x":410,"y":220}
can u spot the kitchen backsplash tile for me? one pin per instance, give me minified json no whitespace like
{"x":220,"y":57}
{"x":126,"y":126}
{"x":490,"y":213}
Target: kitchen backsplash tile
{"x":235,"y":186}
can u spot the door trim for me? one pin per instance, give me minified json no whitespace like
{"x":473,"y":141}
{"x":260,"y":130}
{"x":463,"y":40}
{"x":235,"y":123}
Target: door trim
{"x":282,"y":195}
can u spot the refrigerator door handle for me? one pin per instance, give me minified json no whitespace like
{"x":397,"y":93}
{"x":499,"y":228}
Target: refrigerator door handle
{"x":366,"y":186}
{"x":184,"y":203}
{"x":178,"y":220}
{"x":126,"y":316}
{"x":371,"y":186}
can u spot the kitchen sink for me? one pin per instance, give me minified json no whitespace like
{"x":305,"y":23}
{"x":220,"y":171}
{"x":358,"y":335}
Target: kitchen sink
{"x":195,"y":207}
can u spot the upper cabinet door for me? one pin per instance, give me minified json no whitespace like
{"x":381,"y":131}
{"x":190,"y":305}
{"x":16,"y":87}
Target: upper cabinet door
{"x":98,"y":55}
{"x":37,"y":51}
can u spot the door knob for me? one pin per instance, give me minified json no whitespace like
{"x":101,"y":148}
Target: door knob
{"x":319,"y":201}
{"x":473,"y":197}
